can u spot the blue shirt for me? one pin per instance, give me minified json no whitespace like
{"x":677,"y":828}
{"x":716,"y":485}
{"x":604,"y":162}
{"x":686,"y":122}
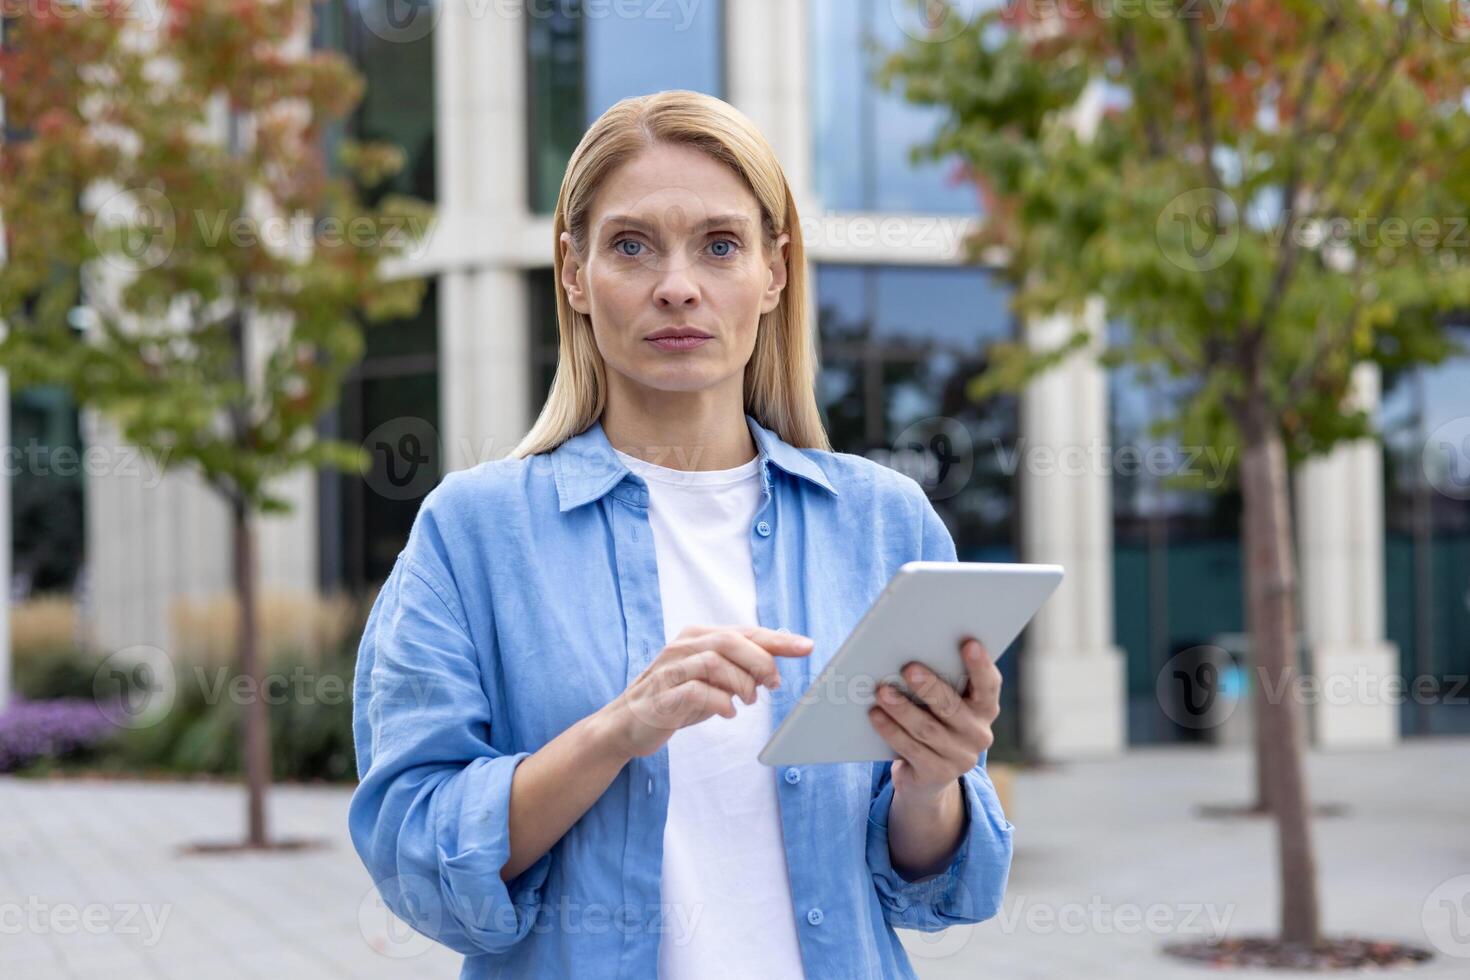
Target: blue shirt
{"x":527,"y":598}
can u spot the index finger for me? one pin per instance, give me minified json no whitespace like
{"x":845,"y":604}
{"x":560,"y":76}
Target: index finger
{"x":738,"y":648}
{"x":777,"y":643}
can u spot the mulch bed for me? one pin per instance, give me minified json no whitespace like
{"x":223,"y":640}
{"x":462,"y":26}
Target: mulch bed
{"x":1343,"y":953}
{"x":1236,"y":811}
{"x":282,"y":844}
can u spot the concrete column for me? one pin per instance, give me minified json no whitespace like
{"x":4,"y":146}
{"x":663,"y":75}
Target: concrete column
{"x":484,"y":365}
{"x":1339,"y":515}
{"x":1074,"y":695}
{"x":484,"y":326}
{"x":153,"y":538}
{"x":767,"y":61}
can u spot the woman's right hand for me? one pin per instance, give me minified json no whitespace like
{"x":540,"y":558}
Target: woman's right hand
{"x":696,"y":676}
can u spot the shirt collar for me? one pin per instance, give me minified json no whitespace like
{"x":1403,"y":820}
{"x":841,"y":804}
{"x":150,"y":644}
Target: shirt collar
{"x":586,"y":467}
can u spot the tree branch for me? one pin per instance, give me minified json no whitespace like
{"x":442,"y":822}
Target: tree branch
{"x":1179,"y":358}
{"x":1353,"y":107}
{"x":1290,"y":252}
{"x":1128,"y":47}
{"x":1303,"y":102}
{"x":1204,"y":114}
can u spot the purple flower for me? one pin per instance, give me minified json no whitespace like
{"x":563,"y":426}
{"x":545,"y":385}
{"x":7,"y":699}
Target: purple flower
{"x":30,"y":730}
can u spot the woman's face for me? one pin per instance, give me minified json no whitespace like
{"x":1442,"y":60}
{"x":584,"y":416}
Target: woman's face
{"x":674,"y":251}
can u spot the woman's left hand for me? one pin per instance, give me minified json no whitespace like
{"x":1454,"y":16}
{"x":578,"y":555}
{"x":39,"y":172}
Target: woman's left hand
{"x":941,"y":740}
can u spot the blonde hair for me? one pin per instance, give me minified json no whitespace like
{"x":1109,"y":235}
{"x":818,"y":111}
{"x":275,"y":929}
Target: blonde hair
{"x":780,"y":377}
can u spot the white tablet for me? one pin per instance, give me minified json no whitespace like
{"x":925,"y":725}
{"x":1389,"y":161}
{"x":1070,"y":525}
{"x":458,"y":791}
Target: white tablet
{"x":923,"y":614}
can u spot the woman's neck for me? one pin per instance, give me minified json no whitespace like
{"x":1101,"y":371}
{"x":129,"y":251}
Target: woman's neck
{"x":680,"y":430}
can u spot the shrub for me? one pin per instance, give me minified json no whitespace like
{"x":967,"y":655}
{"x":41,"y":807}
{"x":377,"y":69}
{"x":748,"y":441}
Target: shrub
{"x":311,"y":725}
{"x":32,"y":731}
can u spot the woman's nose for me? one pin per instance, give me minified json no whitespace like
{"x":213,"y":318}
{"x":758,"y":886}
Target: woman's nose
{"x":676,"y":287}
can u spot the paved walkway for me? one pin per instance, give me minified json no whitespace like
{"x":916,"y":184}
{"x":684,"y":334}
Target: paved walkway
{"x":1110,"y":863}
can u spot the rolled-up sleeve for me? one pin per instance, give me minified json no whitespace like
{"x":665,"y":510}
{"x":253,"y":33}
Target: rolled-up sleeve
{"x":430,"y":815}
{"x":972,"y":887}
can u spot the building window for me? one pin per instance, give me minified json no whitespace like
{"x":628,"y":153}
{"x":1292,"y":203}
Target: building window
{"x":862,"y":134}
{"x":1176,"y":547}
{"x":898,"y":346}
{"x":543,"y":336}
{"x":390,"y":407}
{"x":390,"y":400}
{"x":398,"y":100}
{"x":46,"y":516}
{"x":1426,"y":455}
{"x":582,"y":60}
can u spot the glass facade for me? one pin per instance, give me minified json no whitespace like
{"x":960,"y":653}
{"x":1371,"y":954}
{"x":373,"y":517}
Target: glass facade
{"x":1426,"y":465}
{"x":898,"y":344}
{"x":862,"y":134}
{"x":583,"y":59}
{"x":47,"y":483}
{"x":390,"y":401}
{"x":389,"y":406}
{"x":398,"y":101}
{"x":1176,"y":547}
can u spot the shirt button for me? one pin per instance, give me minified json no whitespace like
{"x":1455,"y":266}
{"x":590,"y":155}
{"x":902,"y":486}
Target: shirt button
{"x":650,"y":787}
{"x":763,"y":529}
{"x":793,"y":775}
{"x":814,"y":917}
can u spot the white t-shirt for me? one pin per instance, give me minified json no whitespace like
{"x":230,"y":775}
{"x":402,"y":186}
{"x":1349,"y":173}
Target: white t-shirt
{"x":725,"y":889}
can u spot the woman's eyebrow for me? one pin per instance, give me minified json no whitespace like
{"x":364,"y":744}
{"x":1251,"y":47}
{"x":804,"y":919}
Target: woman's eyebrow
{"x":626,"y":222}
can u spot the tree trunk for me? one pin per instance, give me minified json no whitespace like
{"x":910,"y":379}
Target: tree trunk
{"x":256,"y":718}
{"x":1271,"y":581}
{"x":1262,"y":741}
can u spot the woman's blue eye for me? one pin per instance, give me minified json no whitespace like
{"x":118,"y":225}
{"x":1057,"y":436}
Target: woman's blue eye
{"x":732,"y":245}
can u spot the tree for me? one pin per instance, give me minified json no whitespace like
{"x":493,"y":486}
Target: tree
{"x":1271,"y":194}
{"x":169,"y":194}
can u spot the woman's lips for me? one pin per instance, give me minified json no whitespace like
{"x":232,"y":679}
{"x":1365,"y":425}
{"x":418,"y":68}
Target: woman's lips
{"x":679,"y":343}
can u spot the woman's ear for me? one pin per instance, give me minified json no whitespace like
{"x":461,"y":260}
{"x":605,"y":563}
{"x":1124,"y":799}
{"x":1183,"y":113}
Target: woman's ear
{"x":571,"y":275}
{"x":776,"y":266}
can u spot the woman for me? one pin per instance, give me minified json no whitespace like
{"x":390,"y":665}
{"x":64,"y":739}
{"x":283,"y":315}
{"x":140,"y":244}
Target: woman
{"x":556,"y":778}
